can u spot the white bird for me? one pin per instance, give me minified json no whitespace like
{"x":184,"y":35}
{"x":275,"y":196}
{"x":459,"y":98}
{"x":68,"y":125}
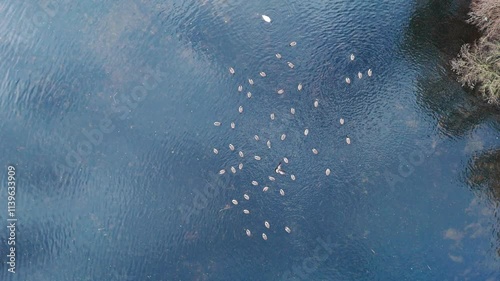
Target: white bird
{"x":281,"y":91}
{"x":240,"y":166}
{"x":233,"y":125}
{"x":327,"y":172}
{"x":282,"y":192}
{"x":240,"y":88}
{"x":315,"y":151}
{"x":283,"y":137}
{"x":240,"y":109}
{"x":271,"y":178}
{"x":257,"y":157}
{"x":217,"y":124}
{"x":352,"y":56}
{"x":287,"y":229}
{"x":347,"y":80}
{"x":285,"y":160}
{"x":241,"y":154}
{"x":262,"y":74}
{"x":278,"y":55}
{"x":235,"y":202}
{"x":264,"y":236}
{"x":231,"y":70}
{"x":256,"y":137}
{"x":268,"y":144}
{"x":266,"y":18}
{"x":306,"y":132}
{"x":291,"y":65}
{"x":266,"y":223}
{"x":341,"y":121}
{"x":246,"y":211}
{"x":233,"y":170}
{"x":292,"y":110}
{"x":348,"y":140}
{"x":255,"y":183}
{"x":246,"y":196}
{"x":231,"y":147}
{"x":292,"y":177}
{"x":248,"y":232}
{"x":316,"y":103}
{"x":216,"y":151}
{"x":299,"y":87}
{"x":265,"y":188}
{"x":369,"y":72}
{"x":250,"y":81}
{"x":293,"y":43}
{"x":360,"y":75}
{"x":249,"y":95}
{"x":272,"y":116}
{"x":221,"y":172}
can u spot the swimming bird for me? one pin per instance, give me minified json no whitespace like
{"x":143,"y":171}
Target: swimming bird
{"x":341,"y":121}
{"x":279,"y":170}
{"x":291,"y":65}
{"x":248,"y":232}
{"x":257,"y":157}
{"x":233,"y":170}
{"x":306,"y":132}
{"x":264,"y":236}
{"x":281,"y":91}
{"x":360,"y":75}
{"x":292,"y":110}
{"x":268,"y":144}
{"x":216,"y":151}
{"x":283,"y":137}
{"x":271,"y":178}
{"x":315,"y":151}
{"x":266,"y":188}
{"x":327,"y":172}
{"x":272,"y":116}
{"x":240,"y":88}
{"x":246,"y":212}
{"x":250,"y":81}
{"x":287,"y":229}
{"x":316,"y":103}
{"x":282,"y":192}
{"x":255,"y":183}
{"x":292,"y":177}
{"x":240,"y":166}
{"x":249,"y":95}
{"x":234,"y":201}
{"x":262,"y":74}
{"x":266,"y":223}
{"x":293,"y":43}
{"x":221,"y":172}
{"x":299,"y":87}
{"x":347,"y":80}
{"x":233,"y":125}
{"x":217,"y":124}
{"x":240,"y":109}
{"x":266,"y":18}
{"x":231,"y":147}
{"x":369,"y":72}
{"x":256,"y":137}
{"x":285,"y":160}
{"x":246,"y":196}
{"x":278,"y":55}
{"x":241,"y":154}
{"x":352,"y":56}
{"x":231,"y":70}
{"x":348,"y":140}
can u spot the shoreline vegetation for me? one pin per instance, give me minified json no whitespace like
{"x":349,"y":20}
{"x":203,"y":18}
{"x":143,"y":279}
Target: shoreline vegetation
{"x":478,"y":64}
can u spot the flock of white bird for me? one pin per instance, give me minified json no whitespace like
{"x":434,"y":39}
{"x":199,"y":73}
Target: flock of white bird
{"x":285,"y":160}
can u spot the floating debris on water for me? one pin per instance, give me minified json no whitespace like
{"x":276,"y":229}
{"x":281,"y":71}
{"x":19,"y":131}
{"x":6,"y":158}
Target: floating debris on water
{"x":271,"y":178}
{"x":216,"y":151}
{"x":316,"y":103}
{"x":266,"y":18}
{"x":272,"y":116}
{"x":287,"y":229}
{"x":292,"y":176}
{"x":233,"y":170}
{"x":306,"y":132}
{"x":278,"y":55}
{"x":352,"y":56}
{"x":246,"y":212}
{"x":281,"y":91}
{"x":255,"y":183}
{"x":248,"y":232}
{"x":266,"y":223}
{"x":264,"y":236}
{"x":285,"y":160}
{"x":291,"y":65}
{"x":240,"y":88}
{"x":266,"y":188}
{"x":246,"y":196}
{"x":217,"y":124}
{"x":292,"y":110}
{"x":221,"y":172}
{"x":282,"y":192}
{"x":256,"y":138}
{"x":249,"y":95}
{"x":241,"y":154}
{"x":347,"y":80}
{"x":341,"y":121}
{"x":250,"y":81}
{"x":369,"y":72}
{"x":315,"y":151}
{"x":327,"y":172}
{"x":234,"y":201}
{"x":233,"y":125}
{"x":360,"y":75}
{"x":240,"y":109}
{"x":268,"y":144}
{"x":231,"y":70}
{"x":231,"y":147}
{"x":283,"y":137}
{"x":299,"y":87}
{"x":293,"y":43}
{"x":348,"y":140}
{"x":240,"y":166}
{"x":257,"y":157}
{"x":262,"y":74}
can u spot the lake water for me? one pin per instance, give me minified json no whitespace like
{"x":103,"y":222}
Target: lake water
{"x":107,"y":115}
